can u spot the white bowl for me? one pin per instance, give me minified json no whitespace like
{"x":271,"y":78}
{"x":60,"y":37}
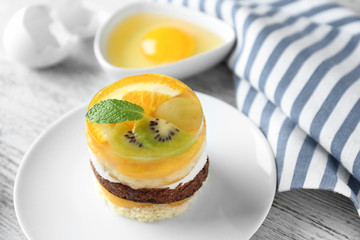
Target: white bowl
{"x":179,"y":69}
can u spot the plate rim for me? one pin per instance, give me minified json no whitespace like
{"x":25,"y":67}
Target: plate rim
{"x":25,"y":160}
{"x":35,"y":143}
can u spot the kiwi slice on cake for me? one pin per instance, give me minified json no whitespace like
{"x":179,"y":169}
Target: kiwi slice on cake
{"x":162,"y":136}
{"x":150,"y":137}
{"x":124,"y":142}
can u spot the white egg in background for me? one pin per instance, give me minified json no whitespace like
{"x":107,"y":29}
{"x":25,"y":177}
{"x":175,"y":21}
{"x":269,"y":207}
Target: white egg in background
{"x":78,"y":18}
{"x":34,"y":39}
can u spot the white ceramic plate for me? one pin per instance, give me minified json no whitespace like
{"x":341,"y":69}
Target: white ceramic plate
{"x":179,"y":69}
{"x":55,"y":196}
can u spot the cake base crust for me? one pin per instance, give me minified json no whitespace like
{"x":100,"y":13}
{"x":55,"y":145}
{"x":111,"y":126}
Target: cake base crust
{"x":150,"y":212}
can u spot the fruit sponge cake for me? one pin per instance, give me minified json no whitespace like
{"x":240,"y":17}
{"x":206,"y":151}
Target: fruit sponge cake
{"x":146,"y":136}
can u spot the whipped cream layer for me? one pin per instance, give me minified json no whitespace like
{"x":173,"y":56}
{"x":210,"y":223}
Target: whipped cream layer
{"x":200,"y":164}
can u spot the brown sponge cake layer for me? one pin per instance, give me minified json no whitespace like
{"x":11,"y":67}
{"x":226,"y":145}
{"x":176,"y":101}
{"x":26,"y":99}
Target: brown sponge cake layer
{"x":155,"y":195}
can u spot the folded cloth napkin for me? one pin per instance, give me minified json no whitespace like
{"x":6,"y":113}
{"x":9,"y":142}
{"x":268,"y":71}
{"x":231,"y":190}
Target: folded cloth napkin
{"x":297,"y":72}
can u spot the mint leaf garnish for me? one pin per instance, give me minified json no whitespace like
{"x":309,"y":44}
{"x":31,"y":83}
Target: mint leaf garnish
{"x":114,"y":111}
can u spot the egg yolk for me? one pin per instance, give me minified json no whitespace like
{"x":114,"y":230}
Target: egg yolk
{"x":166,"y":44}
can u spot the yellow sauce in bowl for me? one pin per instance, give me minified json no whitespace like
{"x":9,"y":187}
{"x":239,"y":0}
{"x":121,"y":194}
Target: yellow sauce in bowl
{"x":147,"y":39}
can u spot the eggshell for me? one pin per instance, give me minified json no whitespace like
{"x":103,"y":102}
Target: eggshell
{"x":34,"y":39}
{"x":78,"y":18}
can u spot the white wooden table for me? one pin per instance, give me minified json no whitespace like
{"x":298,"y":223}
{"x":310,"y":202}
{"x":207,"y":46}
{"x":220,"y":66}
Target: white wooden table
{"x":31,"y":100}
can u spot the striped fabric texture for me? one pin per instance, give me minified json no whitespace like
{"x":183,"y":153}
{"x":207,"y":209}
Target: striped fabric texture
{"x":297,"y":77}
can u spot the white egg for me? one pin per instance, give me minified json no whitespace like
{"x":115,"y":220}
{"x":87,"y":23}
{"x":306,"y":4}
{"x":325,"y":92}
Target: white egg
{"x":76,"y":17}
{"x":34,"y":39}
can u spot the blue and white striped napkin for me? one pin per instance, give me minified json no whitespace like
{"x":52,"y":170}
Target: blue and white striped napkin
{"x":297,"y":70}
